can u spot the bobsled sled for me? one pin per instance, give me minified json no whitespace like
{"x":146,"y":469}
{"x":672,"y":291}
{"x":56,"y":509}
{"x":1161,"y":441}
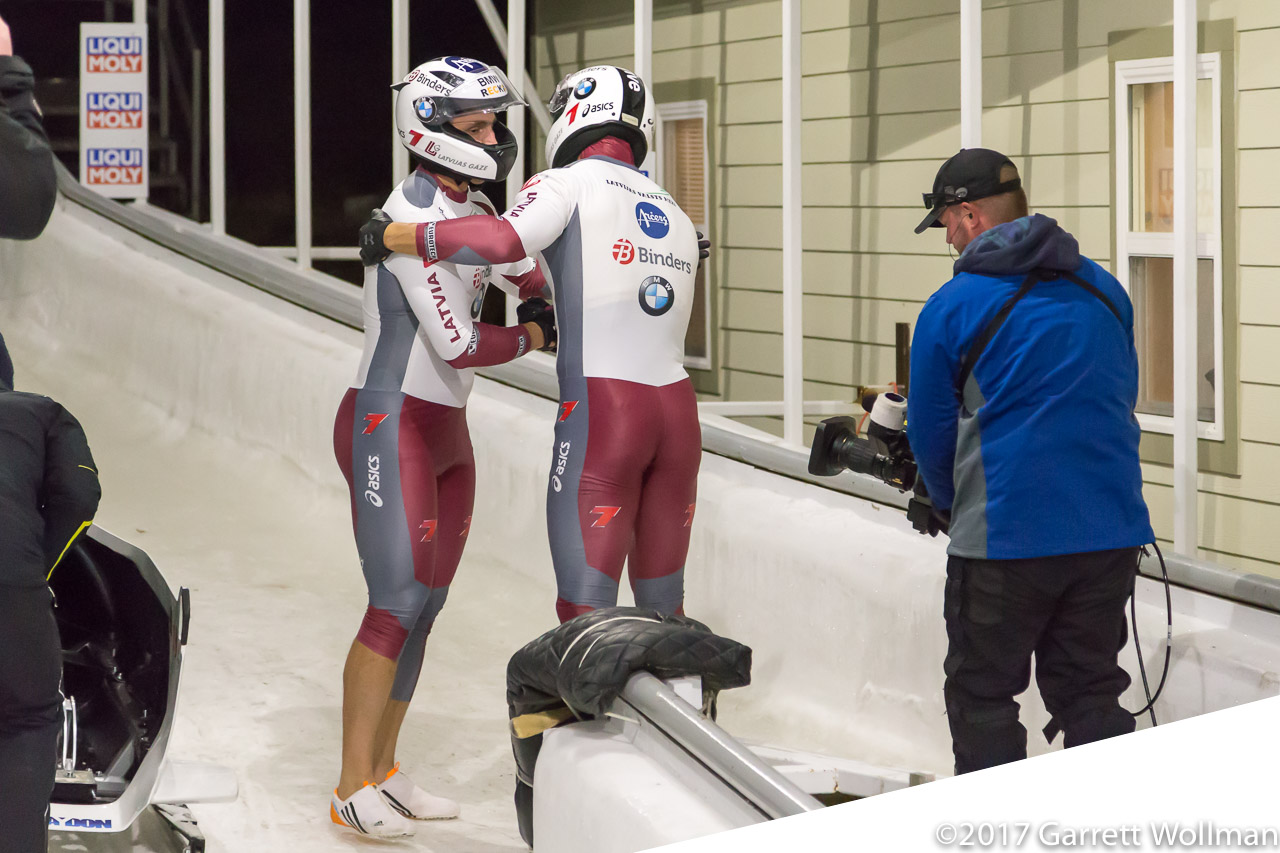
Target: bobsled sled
{"x":123,"y":633}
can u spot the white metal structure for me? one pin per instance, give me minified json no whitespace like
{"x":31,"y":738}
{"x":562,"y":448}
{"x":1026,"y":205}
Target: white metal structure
{"x":515,"y":118}
{"x":302,"y":129}
{"x":970,"y":73}
{"x":792,"y":230}
{"x":217,"y":117}
{"x":642,"y":61}
{"x":400,"y":65}
{"x":1185,"y":309}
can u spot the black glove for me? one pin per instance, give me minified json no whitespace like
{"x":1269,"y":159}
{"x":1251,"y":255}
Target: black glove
{"x":925,"y":518}
{"x":538,"y":310}
{"x":704,"y":247}
{"x":372,"y":249}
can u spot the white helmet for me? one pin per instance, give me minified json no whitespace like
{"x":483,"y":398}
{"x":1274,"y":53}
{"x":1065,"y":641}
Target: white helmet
{"x":596,"y":102}
{"x":435,"y":93}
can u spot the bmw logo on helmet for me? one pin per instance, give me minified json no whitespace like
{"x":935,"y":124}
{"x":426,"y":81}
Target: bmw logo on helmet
{"x":425,"y":108}
{"x":656,"y":296}
{"x":585,"y":87}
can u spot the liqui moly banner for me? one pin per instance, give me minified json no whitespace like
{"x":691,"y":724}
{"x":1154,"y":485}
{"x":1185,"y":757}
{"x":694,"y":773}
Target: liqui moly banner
{"x":113,"y":109}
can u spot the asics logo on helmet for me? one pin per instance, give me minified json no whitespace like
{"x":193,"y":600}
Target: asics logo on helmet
{"x":652,"y":221}
{"x":470,"y":66}
{"x":585,"y":87}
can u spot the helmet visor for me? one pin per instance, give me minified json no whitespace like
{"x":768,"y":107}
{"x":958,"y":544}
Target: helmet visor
{"x":492,"y":93}
{"x":560,"y":98}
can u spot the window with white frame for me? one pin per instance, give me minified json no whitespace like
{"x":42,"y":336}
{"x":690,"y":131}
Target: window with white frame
{"x":1144,"y":233}
{"x":681,"y":168}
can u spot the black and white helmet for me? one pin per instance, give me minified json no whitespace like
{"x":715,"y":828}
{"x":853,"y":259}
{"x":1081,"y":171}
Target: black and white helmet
{"x":596,"y":102}
{"x":435,"y":93}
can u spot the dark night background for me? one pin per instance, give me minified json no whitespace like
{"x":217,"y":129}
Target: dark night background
{"x":351,"y":128}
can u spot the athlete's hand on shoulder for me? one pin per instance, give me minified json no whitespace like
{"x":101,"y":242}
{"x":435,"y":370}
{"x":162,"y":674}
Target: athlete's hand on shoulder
{"x":704,"y":247}
{"x":372,"y":249}
{"x":539,"y":312}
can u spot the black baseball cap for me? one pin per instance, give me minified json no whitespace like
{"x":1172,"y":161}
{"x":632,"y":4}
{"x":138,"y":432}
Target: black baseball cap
{"x":971,"y":174}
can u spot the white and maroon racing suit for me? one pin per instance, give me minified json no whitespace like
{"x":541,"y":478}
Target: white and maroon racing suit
{"x":620,"y":257}
{"x":401,"y":432}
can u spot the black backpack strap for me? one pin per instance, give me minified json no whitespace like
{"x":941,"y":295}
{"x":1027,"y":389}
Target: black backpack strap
{"x":979,"y":344}
{"x":989,"y":331}
{"x":1075,"y":279}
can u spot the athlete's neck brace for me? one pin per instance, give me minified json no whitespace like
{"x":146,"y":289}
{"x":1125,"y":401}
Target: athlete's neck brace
{"x":610,"y":146}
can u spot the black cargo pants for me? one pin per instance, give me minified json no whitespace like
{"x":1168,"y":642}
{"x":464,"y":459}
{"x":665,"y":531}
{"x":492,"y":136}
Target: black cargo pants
{"x":1070,"y":612}
{"x":30,"y":715}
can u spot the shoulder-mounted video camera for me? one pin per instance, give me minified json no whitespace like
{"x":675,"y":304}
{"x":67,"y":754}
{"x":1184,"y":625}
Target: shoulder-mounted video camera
{"x":884,"y":454}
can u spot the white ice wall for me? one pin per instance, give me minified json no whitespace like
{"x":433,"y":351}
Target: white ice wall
{"x":840,"y":600}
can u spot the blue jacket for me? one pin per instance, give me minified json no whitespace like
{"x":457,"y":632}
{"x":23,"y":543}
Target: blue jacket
{"x":1042,"y":458}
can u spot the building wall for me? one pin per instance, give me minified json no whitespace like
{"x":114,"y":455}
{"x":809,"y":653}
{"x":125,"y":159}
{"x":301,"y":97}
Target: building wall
{"x":881,"y":111}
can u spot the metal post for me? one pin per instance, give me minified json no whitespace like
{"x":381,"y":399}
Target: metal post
{"x":197,"y":132}
{"x":515,"y":118}
{"x":1185,"y":308}
{"x":643,"y":61}
{"x":217,"y":119}
{"x":491,"y":17}
{"x":302,"y":128}
{"x":792,"y":246}
{"x":139,"y":11}
{"x":644,"y":41}
{"x":970,"y":73}
{"x":399,"y":67}
{"x":162,"y":56}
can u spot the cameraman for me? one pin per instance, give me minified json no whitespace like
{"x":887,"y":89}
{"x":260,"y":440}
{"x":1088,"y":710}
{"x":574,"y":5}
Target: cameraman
{"x":1024,"y":379}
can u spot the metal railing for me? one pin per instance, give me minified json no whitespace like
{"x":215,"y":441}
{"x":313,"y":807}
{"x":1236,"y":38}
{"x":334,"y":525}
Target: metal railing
{"x":749,"y":775}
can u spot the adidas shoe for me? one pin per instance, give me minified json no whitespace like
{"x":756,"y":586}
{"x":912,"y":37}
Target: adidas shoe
{"x":367,"y":813}
{"x":413,"y":802}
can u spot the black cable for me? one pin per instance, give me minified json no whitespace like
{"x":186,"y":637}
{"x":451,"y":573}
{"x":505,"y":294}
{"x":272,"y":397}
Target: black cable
{"x":1168,"y":639}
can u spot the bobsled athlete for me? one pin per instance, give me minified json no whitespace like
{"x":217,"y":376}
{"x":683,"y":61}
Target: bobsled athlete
{"x":620,"y":257}
{"x":48,"y":494}
{"x":1024,"y":380}
{"x":401,"y":433}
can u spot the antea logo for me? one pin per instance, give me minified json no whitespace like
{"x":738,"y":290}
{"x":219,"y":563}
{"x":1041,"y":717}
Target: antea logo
{"x":653,"y":222}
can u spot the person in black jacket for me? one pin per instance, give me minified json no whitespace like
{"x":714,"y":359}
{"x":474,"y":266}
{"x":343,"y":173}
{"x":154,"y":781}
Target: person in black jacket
{"x":28,"y":182}
{"x":48,"y":494}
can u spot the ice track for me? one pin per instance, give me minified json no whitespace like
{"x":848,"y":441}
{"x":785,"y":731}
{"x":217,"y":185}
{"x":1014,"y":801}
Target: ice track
{"x":276,"y":598}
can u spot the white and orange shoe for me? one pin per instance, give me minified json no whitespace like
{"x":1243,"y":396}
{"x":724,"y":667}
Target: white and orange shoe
{"x":367,"y":813}
{"x":412,"y":802}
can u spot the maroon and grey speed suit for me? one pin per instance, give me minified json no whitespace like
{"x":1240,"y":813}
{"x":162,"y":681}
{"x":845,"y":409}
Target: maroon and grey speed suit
{"x":620,"y":257}
{"x":401,"y":432}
